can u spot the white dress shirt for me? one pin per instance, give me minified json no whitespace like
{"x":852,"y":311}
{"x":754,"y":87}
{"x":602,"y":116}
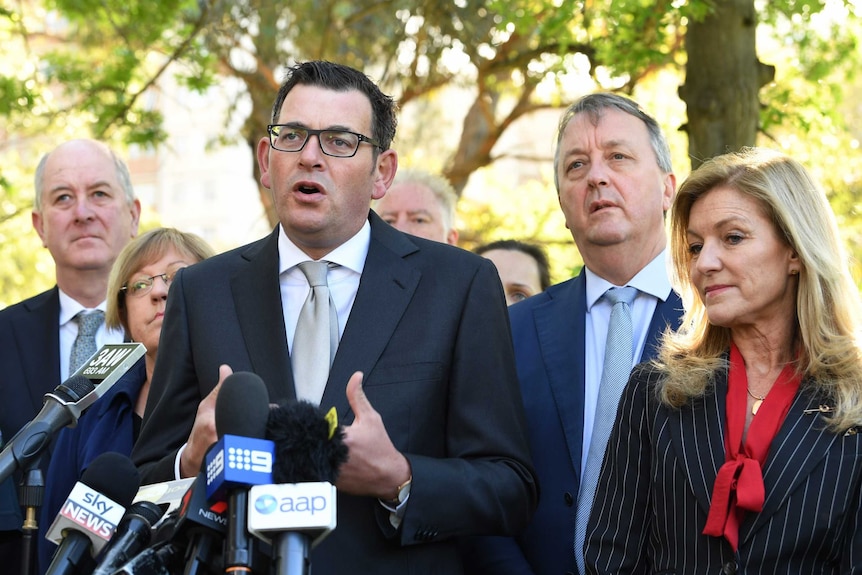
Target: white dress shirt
{"x":69,"y":308}
{"x":343,"y":284}
{"x":653,"y":285}
{"x":343,"y":280}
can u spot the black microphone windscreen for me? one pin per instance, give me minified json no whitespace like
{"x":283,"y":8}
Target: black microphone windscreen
{"x":114,"y":476}
{"x":242,"y":406}
{"x":304,"y":450}
{"x":74,"y":388}
{"x":147,"y":510}
{"x":133,"y":534}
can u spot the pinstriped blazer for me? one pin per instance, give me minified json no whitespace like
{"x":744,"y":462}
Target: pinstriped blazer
{"x":656,"y":484}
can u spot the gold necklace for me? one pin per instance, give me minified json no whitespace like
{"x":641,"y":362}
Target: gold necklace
{"x":757,"y":401}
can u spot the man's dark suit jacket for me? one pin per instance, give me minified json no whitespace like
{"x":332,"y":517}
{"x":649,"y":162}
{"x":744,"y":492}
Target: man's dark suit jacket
{"x":548,"y":333}
{"x":30,"y":367}
{"x":652,"y":501}
{"x":429,"y":330}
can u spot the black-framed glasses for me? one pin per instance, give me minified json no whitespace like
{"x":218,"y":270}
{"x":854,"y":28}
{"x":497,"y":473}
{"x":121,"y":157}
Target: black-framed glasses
{"x":142,"y":286}
{"x":335,"y":143}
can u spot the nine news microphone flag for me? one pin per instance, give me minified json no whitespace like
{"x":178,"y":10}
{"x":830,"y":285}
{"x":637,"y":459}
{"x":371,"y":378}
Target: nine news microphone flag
{"x":64,"y":405}
{"x":241,"y":458}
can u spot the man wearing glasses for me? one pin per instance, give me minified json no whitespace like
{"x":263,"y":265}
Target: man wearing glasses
{"x":422,"y":372}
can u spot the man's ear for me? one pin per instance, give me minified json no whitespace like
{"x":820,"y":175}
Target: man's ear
{"x":37,"y":225}
{"x":387,"y":165}
{"x":135,"y":210}
{"x":263,"y":149}
{"x":669,"y":191}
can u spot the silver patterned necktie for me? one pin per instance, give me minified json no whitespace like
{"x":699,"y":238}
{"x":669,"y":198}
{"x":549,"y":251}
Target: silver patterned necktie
{"x":85,"y":342}
{"x":316,"y":338}
{"x":615,"y":374}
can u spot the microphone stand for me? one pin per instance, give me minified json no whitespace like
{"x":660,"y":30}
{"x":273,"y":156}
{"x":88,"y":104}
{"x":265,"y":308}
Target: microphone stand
{"x":30,"y":496}
{"x":292,"y":554}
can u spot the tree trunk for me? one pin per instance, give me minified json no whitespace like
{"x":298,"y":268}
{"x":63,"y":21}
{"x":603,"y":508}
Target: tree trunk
{"x":723,"y":78}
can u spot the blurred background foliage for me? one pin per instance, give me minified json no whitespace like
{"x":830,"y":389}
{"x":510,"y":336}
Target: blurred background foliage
{"x":472,"y":77}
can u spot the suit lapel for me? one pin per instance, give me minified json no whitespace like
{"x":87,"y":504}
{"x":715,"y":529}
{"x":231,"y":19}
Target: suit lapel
{"x":560,"y":330}
{"x":40,"y":357}
{"x":667,"y":313}
{"x":385,"y":290}
{"x":800,"y":445}
{"x":697,"y":435}
{"x":257,"y":298}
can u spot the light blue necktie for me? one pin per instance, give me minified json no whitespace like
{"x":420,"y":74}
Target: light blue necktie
{"x":615,"y":374}
{"x":316,"y":338}
{"x":85,"y":343}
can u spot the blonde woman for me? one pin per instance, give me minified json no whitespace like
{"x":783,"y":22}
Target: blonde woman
{"x":737,"y":451}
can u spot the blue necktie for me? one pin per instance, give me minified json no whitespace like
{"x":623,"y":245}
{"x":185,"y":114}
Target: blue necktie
{"x":615,"y":374}
{"x":85,"y":343}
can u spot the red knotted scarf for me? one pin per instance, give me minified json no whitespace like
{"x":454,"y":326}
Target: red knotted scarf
{"x":739,"y":484}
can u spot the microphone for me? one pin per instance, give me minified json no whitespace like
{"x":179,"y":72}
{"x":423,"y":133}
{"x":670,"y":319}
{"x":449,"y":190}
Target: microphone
{"x":132,"y":535}
{"x":299,"y":510}
{"x":189,"y":537}
{"x":64,"y":405}
{"x":239,"y":459}
{"x":91,"y":512}
{"x":164,"y":558}
{"x":168,"y":495}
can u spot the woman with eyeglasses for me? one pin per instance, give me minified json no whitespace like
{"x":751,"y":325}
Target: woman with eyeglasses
{"x":138,"y":290}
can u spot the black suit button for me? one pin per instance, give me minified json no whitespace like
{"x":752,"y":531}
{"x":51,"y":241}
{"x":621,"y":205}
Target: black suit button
{"x":567,"y":497}
{"x":569,"y":573}
{"x":729,"y":568}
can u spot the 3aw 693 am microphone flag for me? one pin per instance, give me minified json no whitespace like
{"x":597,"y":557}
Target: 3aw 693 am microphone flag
{"x":64,"y":405}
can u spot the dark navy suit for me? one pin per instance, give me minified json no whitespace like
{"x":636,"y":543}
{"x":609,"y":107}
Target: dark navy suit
{"x":30,"y":368}
{"x":548,"y":333}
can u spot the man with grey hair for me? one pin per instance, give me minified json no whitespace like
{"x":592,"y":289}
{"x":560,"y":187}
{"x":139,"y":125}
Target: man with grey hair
{"x":85,"y":211}
{"x":422,"y":204}
{"x":614,"y":183}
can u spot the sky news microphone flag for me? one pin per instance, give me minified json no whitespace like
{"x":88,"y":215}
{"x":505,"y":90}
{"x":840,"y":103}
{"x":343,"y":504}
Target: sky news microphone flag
{"x":91,"y":512}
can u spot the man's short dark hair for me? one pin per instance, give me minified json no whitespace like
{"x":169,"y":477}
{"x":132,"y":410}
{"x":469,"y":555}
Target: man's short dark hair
{"x":342,"y":78}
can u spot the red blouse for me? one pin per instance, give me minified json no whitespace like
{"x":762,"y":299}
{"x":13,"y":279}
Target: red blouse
{"x":739,"y":484}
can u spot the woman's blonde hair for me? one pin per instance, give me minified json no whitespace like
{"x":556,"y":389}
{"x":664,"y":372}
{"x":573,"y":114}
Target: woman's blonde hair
{"x":827,"y":301}
{"x":143,"y":250}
